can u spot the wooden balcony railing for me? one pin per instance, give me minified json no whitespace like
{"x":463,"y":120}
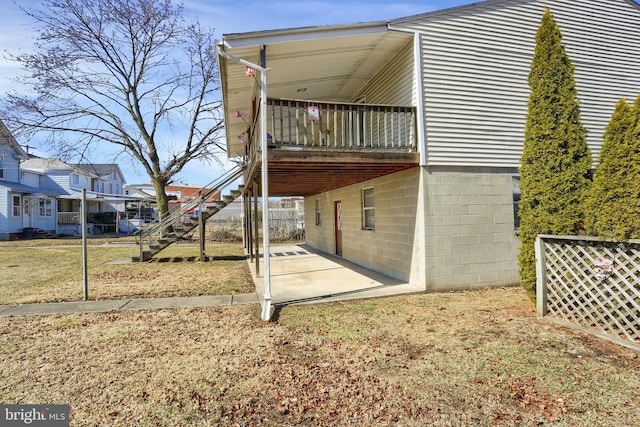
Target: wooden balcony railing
{"x":68,"y":217}
{"x":297,"y":124}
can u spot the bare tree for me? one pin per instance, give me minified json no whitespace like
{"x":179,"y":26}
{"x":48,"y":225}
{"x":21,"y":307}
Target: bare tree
{"x":131,"y":73}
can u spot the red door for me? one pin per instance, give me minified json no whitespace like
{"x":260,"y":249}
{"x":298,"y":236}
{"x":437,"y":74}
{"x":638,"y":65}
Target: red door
{"x":337,"y":207}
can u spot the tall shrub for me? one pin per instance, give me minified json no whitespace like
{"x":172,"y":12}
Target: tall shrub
{"x":555,"y":163}
{"x":614,"y":201}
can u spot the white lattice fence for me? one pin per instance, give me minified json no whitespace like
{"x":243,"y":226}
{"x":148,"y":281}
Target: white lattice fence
{"x":591,"y":285}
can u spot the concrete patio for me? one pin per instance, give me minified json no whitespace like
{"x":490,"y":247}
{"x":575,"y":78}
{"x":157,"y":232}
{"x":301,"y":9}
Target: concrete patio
{"x":302,"y":275}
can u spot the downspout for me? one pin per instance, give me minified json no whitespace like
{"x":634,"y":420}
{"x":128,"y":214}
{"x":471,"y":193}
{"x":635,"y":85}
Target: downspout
{"x":266,"y":302}
{"x":420,"y":119}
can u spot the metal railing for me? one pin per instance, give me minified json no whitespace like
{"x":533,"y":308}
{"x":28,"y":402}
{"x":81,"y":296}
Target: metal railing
{"x":342,"y":126}
{"x":174,"y":219}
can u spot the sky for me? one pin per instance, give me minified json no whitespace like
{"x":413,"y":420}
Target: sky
{"x":18,"y":35}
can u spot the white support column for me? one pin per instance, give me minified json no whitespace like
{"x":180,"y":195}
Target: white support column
{"x":266,"y":303}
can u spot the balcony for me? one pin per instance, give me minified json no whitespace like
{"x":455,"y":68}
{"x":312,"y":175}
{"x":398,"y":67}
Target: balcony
{"x":318,"y":146}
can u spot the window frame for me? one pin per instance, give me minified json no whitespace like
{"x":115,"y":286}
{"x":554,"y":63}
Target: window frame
{"x":368,"y":221}
{"x":45,"y":207}
{"x":16,"y":207}
{"x":516,"y":193}
{"x":318,"y":212}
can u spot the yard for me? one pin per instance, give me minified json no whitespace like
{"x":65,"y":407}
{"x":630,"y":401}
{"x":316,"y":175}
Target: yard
{"x":464,"y":358}
{"x":51,"y":270}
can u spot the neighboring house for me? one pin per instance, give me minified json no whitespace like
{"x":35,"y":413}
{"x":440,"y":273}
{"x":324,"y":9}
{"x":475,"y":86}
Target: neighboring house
{"x":184,"y":193}
{"x":104,"y":192}
{"x":23,"y":205}
{"x":404,"y":136}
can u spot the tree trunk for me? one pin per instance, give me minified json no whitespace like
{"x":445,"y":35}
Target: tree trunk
{"x":162,"y":200}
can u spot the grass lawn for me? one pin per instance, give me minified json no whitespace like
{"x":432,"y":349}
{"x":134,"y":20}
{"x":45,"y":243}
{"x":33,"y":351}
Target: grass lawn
{"x":51,"y":270}
{"x":478,"y":358}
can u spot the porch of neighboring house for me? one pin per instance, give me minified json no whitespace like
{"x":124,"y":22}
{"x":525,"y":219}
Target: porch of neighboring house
{"x":103,"y":215}
{"x":37,"y":216}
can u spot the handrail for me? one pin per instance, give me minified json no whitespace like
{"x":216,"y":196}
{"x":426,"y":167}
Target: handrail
{"x":305,"y":124}
{"x":210,"y":189}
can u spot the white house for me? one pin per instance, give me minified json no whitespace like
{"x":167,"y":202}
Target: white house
{"x":404,"y":136}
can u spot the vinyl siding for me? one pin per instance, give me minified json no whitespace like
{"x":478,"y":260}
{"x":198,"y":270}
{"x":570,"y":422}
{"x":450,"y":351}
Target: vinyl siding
{"x":4,"y":212}
{"x":394,"y":84}
{"x":476,"y":60}
{"x":14,"y":224}
{"x":10,"y":164}
{"x":45,"y":222}
{"x":30,"y":178}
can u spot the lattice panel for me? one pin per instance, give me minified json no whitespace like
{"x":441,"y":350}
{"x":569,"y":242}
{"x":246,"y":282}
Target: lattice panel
{"x":607,"y":306}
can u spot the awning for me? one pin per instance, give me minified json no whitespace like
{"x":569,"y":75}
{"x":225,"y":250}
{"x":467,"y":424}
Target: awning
{"x":27,"y":189}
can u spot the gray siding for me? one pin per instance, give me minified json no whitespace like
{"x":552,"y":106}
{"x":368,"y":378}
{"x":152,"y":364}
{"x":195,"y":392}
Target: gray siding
{"x":394,"y":83}
{"x":476,"y":61}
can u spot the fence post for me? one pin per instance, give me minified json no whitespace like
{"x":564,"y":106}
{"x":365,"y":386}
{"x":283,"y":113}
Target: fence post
{"x":201,"y":227}
{"x":541,"y":277}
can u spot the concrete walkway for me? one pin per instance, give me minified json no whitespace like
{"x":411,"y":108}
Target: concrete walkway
{"x":125,"y":304}
{"x":299,"y":275}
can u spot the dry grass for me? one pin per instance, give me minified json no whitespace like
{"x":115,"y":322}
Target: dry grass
{"x":50,"y":273}
{"x":67,"y":241}
{"x":470,"y":358}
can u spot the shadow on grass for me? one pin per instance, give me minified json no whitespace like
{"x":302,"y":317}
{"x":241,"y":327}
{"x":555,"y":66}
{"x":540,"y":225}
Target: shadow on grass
{"x":197,"y":258}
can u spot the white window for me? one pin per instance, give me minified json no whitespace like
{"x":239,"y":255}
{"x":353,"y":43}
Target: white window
{"x":44,"y":207}
{"x":318,"y":213}
{"x":1,"y":166}
{"x":76,"y":179}
{"x":16,"y":206}
{"x":368,"y":216}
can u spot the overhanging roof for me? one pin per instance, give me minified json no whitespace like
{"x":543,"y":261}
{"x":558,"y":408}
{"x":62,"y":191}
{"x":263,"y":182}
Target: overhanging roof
{"x":27,"y":189}
{"x":326,"y":63}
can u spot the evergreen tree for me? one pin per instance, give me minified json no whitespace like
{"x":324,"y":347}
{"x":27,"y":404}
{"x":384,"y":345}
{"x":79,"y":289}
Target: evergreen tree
{"x":614,"y":202}
{"x":555,"y":163}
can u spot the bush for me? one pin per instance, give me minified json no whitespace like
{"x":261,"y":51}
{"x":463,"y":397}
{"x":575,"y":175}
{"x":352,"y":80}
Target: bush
{"x":614,"y":202}
{"x":555,"y":163}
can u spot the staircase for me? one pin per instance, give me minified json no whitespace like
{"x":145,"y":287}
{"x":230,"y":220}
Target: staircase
{"x":172,"y":228}
{"x":43,"y":234}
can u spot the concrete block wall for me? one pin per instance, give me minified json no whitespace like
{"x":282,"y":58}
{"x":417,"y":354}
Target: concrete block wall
{"x":470,"y":238}
{"x":441,"y":228}
{"x":389,"y":248}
